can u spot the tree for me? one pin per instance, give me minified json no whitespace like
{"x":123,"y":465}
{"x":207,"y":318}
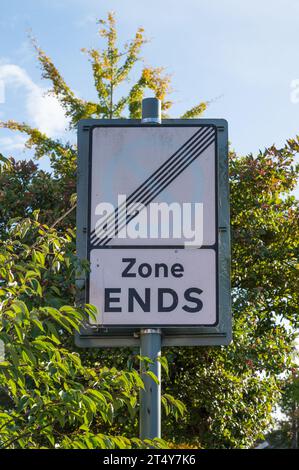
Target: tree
{"x":33,"y":189}
{"x":50,"y":398}
{"x":229,"y":391}
{"x":285,"y":433}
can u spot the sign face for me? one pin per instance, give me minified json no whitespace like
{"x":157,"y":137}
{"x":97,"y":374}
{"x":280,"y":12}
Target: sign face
{"x":156,"y":228}
{"x":152,"y":233}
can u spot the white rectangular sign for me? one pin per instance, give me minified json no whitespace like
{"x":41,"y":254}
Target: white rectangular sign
{"x":153,"y":238}
{"x":154,"y":286}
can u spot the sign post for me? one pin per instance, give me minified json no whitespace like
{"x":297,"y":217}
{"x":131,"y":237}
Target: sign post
{"x":150,"y":397}
{"x":150,"y":338}
{"x":153,"y":223}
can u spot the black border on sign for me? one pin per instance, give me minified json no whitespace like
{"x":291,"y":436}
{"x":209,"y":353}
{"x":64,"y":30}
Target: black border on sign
{"x":173,"y":247}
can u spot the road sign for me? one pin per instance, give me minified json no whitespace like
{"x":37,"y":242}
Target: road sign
{"x":153,"y":221}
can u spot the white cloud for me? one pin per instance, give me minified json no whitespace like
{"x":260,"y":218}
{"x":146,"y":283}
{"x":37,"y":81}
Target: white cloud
{"x":43,"y":111}
{"x":2,"y":92}
{"x":85,"y":21}
{"x":9,"y":144}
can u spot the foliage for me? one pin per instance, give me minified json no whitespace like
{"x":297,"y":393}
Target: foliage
{"x":229,"y":392}
{"x":33,"y":189}
{"x":265,"y":232}
{"x":48,"y":397}
{"x":285,"y":433}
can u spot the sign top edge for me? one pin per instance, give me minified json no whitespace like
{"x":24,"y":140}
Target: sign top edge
{"x":217,"y":122}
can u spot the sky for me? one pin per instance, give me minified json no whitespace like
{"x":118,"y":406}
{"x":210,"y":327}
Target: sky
{"x":241,"y":56}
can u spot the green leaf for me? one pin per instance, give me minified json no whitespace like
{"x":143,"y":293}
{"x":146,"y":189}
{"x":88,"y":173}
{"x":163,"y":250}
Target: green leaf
{"x":152,"y":376}
{"x":4,"y":159}
{"x":164,"y":363}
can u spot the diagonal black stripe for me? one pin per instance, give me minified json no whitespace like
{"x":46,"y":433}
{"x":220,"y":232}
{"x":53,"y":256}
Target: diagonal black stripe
{"x":158,"y":173}
{"x":162,"y":178}
{"x":200,"y":150}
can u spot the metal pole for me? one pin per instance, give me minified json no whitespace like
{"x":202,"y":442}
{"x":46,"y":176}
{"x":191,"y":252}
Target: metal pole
{"x":150,"y":338}
{"x":151,"y":111}
{"x":150,"y":397}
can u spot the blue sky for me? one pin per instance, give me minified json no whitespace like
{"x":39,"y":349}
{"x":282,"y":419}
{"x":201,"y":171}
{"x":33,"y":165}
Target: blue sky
{"x":241,"y":55}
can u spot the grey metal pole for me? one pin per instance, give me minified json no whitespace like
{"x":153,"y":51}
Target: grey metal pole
{"x":151,"y":111}
{"x":150,"y":338}
{"x":150,"y":397}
